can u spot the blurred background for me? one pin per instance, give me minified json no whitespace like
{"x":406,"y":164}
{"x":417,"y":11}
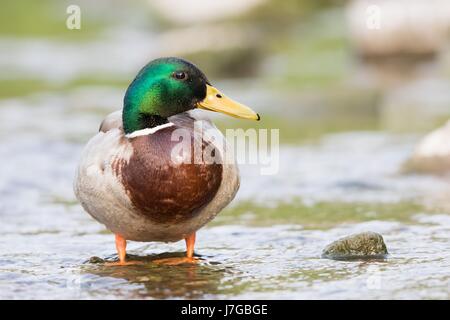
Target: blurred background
{"x":353,"y":87}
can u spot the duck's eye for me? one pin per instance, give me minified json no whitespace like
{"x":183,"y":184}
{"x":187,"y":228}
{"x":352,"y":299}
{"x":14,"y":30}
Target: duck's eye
{"x":180,"y":75}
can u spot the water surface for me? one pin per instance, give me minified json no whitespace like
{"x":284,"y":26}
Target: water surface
{"x":267,"y":244}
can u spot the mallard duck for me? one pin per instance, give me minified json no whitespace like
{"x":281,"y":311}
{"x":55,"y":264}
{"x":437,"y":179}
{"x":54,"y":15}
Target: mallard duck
{"x":128,"y":177}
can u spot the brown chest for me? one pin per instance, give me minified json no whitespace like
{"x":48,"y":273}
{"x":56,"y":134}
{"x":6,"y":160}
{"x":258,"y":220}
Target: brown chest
{"x":160,"y":186}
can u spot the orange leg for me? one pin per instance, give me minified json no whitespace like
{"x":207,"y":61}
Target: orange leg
{"x":121,"y":246}
{"x":190,"y":242}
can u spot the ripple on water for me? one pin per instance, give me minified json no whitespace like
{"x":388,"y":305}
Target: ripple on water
{"x":267,"y":245}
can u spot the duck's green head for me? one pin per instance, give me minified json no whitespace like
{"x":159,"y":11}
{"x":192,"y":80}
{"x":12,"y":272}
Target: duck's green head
{"x":168,"y":86}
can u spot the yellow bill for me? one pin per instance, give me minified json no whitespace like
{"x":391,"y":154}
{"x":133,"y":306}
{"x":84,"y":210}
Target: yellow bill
{"x":218,"y":102}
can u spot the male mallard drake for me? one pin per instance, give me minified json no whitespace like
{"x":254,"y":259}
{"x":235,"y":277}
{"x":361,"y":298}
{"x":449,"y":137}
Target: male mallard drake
{"x":130,"y":179}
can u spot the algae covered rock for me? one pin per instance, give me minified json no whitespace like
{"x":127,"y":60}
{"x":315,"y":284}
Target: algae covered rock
{"x":95,"y":260}
{"x":357,"y":246}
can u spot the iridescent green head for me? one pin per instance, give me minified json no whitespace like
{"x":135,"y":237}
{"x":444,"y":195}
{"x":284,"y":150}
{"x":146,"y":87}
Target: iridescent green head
{"x":168,"y":86}
{"x":163,"y":88}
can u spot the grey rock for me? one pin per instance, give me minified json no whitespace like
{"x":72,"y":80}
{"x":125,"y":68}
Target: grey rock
{"x":432,"y":154}
{"x":365,"y":245}
{"x":95,"y":260}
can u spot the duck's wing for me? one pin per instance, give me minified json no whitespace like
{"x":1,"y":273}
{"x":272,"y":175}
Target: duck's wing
{"x":112,"y":121}
{"x":183,"y":120}
{"x":188,"y":119}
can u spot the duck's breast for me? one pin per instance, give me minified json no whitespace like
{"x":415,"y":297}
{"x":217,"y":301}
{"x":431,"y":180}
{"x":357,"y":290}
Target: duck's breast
{"x":136,"y":187}
{"x":165,"y":180}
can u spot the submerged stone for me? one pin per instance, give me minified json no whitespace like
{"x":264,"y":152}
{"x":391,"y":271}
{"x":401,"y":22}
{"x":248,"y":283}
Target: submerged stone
{"x":95,"y":260}
{"x":364,"y":245}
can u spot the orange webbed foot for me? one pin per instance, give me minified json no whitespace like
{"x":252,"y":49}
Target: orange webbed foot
{"x":123,"y":263}
{"x":121,"y":246}
{"x":175,"y":261}
{"x":189,"y":259}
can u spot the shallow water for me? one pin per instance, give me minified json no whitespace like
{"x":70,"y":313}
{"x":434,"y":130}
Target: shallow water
{"x":266,"y":245}
{"x":339,"y":172}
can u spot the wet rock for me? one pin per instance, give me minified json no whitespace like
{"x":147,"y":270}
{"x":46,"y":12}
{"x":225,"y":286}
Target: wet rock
{"x":365,"y":245}
{"x":432,"y":154}
{"x":95,"y":260}
{"x":381,"y":28}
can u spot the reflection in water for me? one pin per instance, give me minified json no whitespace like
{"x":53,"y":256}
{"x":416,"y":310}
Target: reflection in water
{"x":190,"y":281}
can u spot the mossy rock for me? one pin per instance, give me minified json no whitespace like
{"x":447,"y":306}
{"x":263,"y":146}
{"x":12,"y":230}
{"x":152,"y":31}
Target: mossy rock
{"x":95,"y":260}
{"x":365,"y":245}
